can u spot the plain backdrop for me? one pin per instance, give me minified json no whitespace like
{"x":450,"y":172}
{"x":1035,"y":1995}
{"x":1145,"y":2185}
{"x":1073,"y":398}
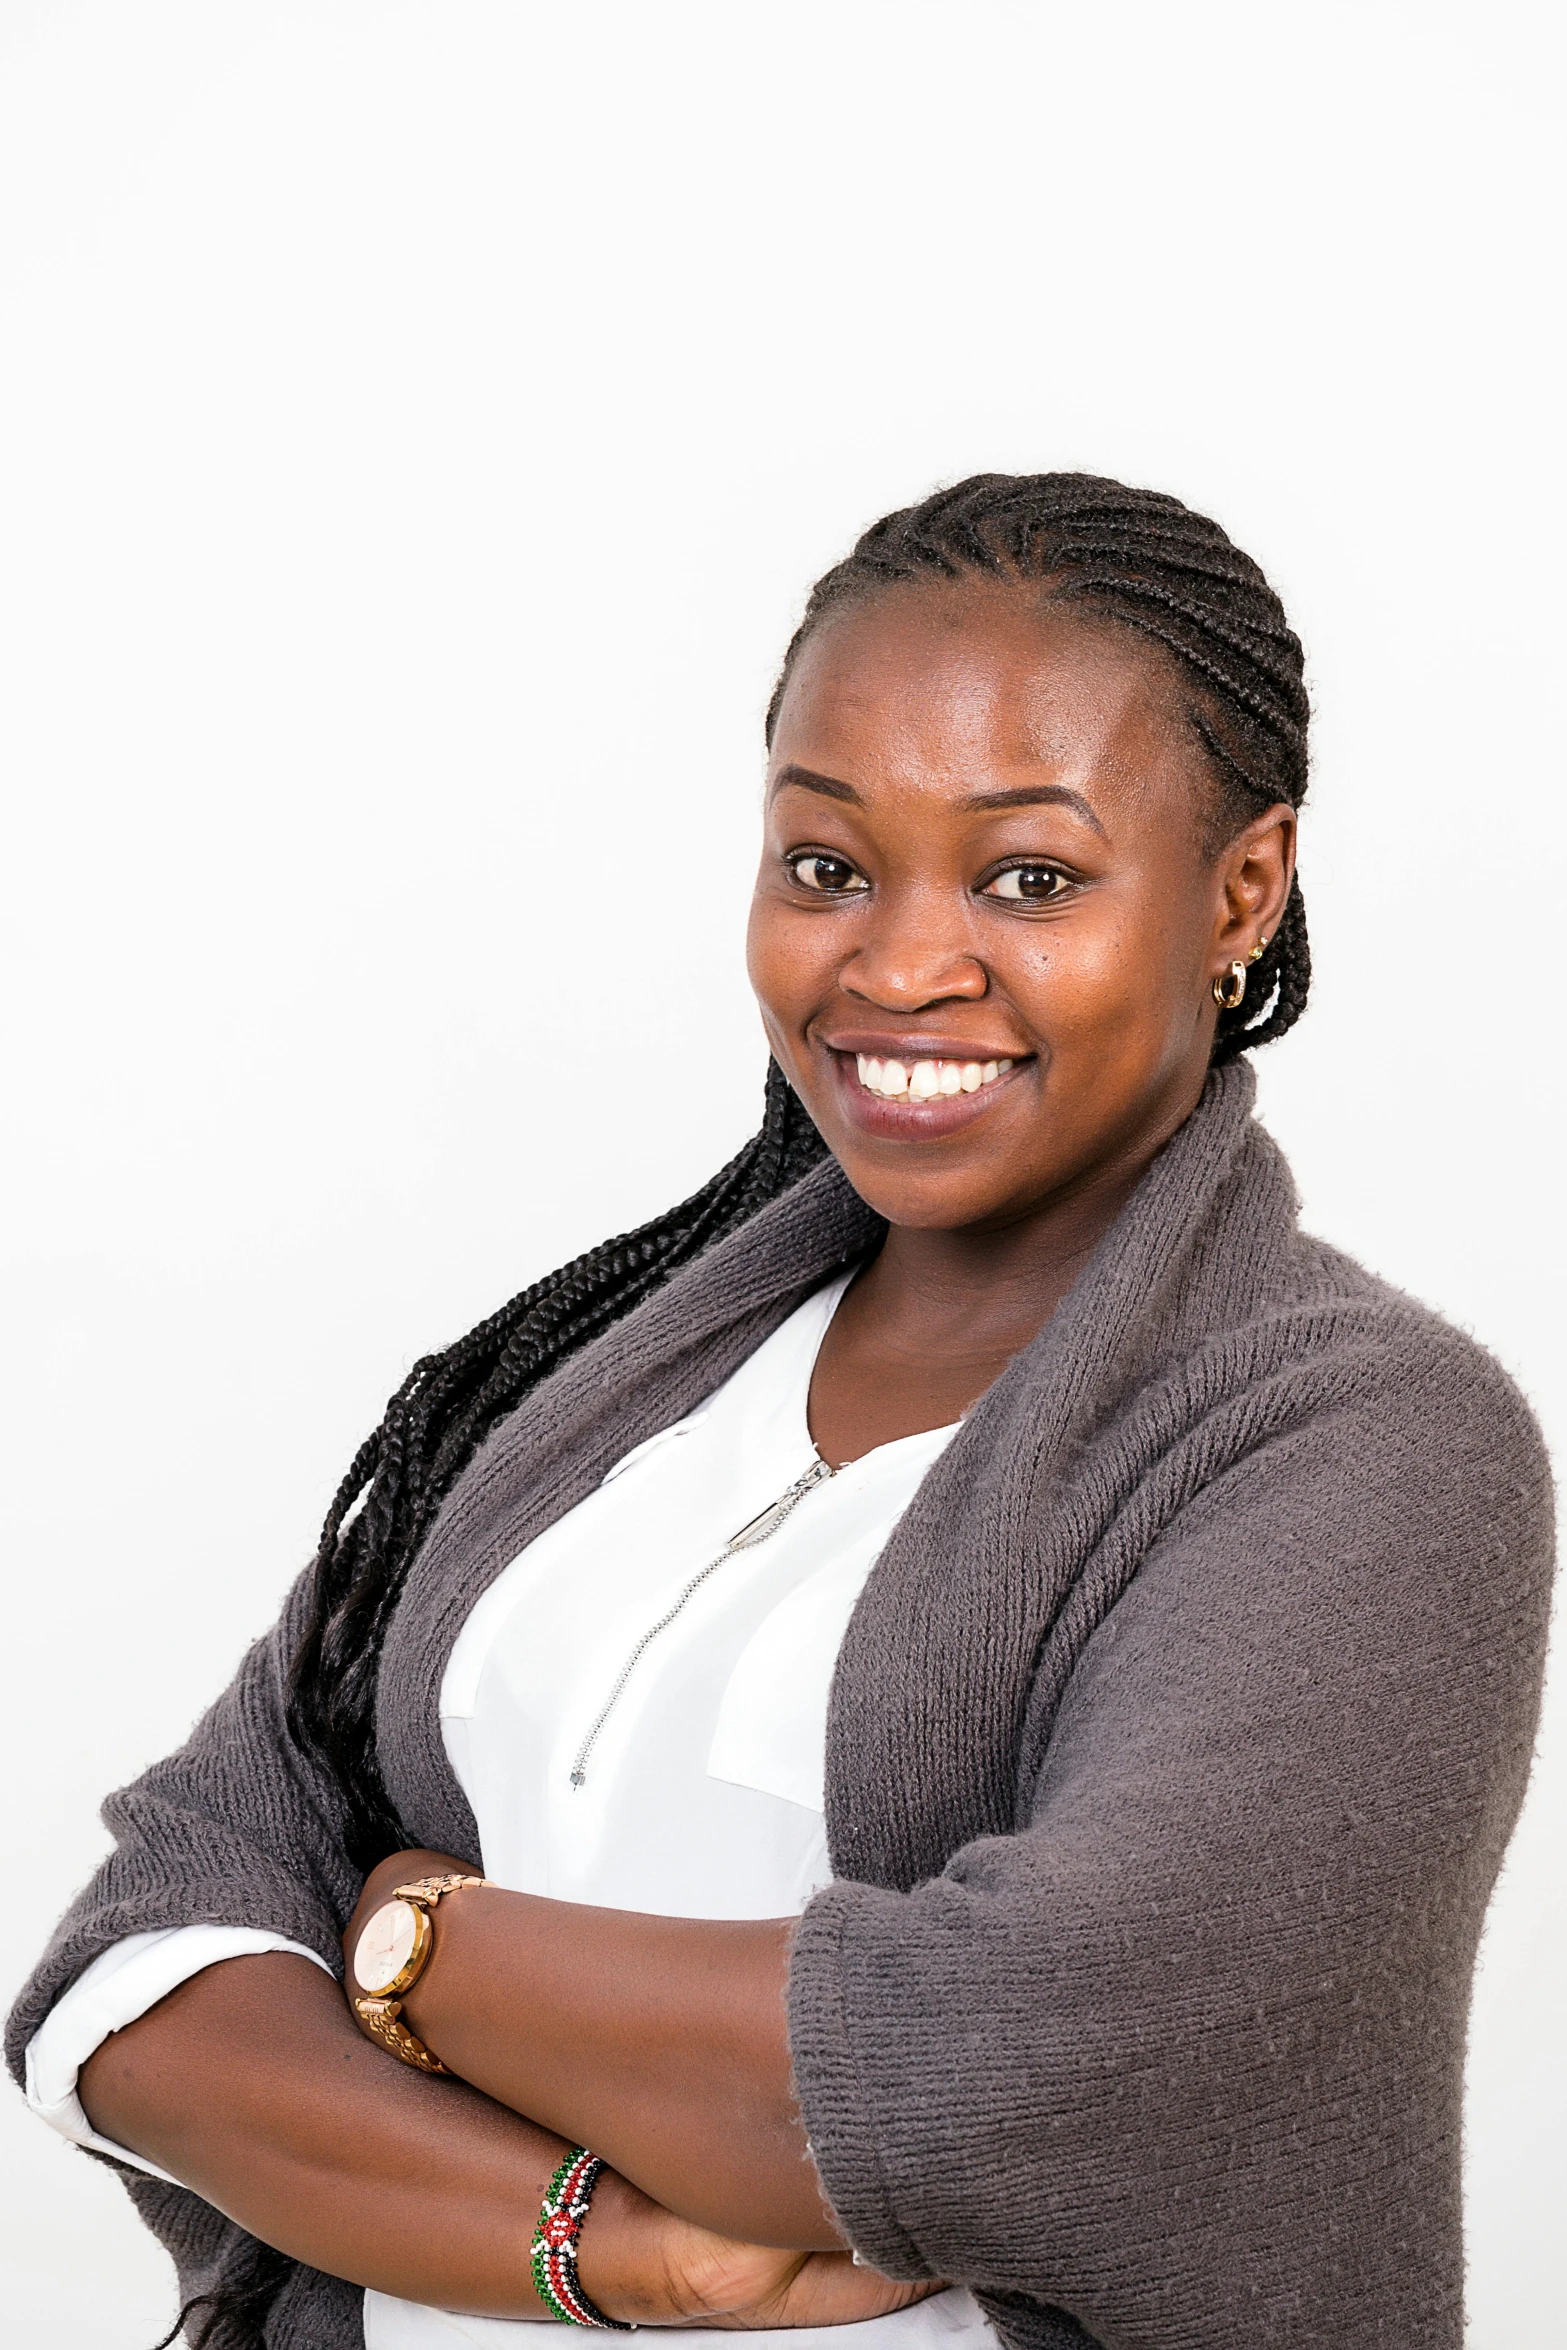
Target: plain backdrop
{"x":419,"y":427}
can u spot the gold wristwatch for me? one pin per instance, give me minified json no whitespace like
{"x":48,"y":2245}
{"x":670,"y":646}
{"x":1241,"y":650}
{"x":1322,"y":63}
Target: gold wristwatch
{"x":390,"y":1956}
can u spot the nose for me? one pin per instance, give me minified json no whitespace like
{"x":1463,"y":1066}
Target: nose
{"x":918,"y":954}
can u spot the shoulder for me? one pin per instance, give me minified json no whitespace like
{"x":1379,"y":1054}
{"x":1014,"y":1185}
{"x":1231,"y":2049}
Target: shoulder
{"x":1316,"y":1392}
{"x":1404,"y":1362}
{"x":1340,"y":1490}
{"x":1266,"y":1298}
{"x":1376,"y":1462}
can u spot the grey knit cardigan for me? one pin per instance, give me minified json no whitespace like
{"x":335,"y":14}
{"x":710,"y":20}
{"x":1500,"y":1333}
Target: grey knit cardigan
{"x":1173,"y":1749}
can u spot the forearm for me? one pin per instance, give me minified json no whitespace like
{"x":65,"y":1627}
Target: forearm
{"x":660,"y":2042}
{"x":251,"y":2084}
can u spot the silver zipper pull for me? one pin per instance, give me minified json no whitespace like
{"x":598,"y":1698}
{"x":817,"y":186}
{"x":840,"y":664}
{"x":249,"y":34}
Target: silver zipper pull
{"x":769,"y":1520}
{"x":754,"y":1530}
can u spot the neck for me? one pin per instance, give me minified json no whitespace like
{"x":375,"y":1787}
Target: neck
{"x":982,"y":1293}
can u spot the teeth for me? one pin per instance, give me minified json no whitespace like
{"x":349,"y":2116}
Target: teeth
{"x":926,"y":1079}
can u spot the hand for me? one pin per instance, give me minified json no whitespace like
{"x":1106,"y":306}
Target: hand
{"x":640,"y":2263}
{"x":750,"y":2286}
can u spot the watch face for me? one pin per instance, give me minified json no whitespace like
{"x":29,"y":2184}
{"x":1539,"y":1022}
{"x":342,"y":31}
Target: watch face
{"x":386,"y":1945}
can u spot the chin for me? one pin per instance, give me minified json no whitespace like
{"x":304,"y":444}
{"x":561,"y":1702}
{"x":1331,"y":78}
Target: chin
{"x":934,"y":1205}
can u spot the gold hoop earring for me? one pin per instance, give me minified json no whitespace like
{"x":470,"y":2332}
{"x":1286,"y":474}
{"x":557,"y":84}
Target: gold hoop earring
{"x":1230,"y":987}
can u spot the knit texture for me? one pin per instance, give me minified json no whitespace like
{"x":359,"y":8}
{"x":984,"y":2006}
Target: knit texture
{"x":1173,"y":1749}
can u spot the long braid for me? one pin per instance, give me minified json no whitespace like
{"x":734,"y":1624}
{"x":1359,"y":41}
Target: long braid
{"x":1144,"y":561}
{"x":438,"y":1418}
{"x":1133,"y":557}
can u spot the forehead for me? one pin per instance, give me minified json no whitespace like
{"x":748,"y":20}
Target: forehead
{"x":952,"y":681}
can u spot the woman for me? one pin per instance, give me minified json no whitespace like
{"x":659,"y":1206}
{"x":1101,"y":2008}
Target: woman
{"x":988,"y":1677}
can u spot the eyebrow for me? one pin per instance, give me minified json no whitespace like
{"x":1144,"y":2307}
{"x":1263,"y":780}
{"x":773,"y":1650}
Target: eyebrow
{"x":1028,"y":795}
{"x":1038,"y":795}
{"x":808,"y":780}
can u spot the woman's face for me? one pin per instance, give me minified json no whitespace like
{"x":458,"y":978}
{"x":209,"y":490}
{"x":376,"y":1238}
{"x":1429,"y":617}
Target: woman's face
{"x":984,"y":865}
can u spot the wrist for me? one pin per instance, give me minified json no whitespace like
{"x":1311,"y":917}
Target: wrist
{"x":390,"y":1943}
{"x":399,"y":1868}
{"x":628,"y":2258}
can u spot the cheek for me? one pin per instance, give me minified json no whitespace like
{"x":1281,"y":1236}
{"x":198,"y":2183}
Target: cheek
{"x":1118,"y":976}
{"x":761,"y":951}
{"x":787,"y":956}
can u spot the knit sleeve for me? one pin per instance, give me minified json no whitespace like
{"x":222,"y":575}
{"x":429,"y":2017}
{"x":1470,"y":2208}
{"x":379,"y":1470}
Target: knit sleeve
{"x":238,"y":1828}
{"x":1180,"y":2062}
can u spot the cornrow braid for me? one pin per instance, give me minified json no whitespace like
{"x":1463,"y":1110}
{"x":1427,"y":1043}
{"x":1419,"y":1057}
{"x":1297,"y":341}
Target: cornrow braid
{"x":440,"y":1416}
{"x":1134,"y":559}
{"x":1130,"y":557}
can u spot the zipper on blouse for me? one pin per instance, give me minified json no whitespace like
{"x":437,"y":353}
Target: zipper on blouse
{"x":754,"y":1530}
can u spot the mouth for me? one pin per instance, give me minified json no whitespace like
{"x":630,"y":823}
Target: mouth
{"x":926,"y":1081}
{"x":918,"y":1096}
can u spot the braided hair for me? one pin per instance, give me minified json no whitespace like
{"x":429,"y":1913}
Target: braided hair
{"x":1128,"y":557}
{"x":439,"y":1417}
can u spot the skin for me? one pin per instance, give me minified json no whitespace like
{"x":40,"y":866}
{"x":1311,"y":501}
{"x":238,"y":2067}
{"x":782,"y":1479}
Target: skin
{"x":253,"y":2084}
{"x":985,"y":840}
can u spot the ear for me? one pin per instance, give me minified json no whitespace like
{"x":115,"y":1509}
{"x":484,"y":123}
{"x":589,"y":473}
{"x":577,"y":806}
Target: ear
{"x":1254,"y":873}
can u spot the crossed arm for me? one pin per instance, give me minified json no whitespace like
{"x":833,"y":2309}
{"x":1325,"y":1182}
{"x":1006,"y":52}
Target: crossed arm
{"x":660,"y":2042}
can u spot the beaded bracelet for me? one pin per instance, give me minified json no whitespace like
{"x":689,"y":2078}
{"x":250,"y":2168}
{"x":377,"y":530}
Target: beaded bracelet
{"x":554,"y":2249}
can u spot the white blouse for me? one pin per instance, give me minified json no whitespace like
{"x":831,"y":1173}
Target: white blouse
{"x":637,"y":1716}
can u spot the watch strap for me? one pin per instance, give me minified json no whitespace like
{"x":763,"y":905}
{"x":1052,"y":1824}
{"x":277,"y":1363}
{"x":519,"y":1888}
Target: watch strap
{"x":427,"y":1891}
{"x":382,"y":2020}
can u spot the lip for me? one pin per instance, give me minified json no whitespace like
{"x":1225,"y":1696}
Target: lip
{"x":910,"y":1045}
{"x":901,"y":1120}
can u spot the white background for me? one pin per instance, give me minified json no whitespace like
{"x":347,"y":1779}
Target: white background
{"x":419,"y":425}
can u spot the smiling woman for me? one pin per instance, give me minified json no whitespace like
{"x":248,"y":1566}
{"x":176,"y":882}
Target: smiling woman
{"x":990,"y":941}
{"x":923,"y":1742}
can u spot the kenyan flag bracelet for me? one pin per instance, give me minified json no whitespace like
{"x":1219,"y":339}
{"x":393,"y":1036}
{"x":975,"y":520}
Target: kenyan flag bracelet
{"x":554,"y":2248}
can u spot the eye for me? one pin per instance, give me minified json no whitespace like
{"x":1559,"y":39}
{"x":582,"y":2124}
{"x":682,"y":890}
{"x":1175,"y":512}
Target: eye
{"x":829,"y":877}
{"x":1029,"y":885}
